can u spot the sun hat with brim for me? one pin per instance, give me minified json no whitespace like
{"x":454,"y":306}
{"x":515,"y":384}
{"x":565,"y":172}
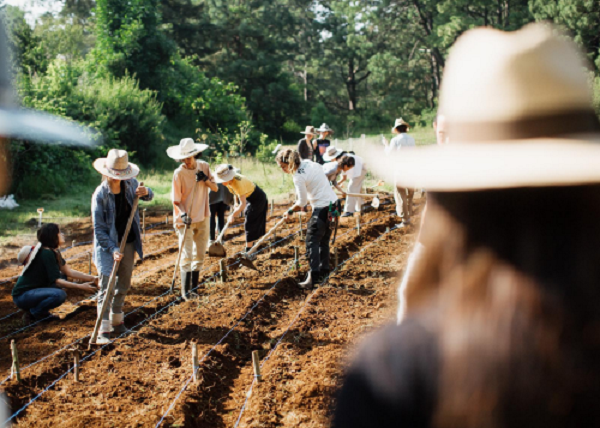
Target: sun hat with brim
{"x":331,"y":153}
{"x":518,"y":114}
{"x":116,"y":165}
{"x":186,"y":148}
{"x":27,"y":254}
{"x":309,"y":130}
{"x":325,"y":128}
{"x":399,"y":122}
{"x":224,"y":173}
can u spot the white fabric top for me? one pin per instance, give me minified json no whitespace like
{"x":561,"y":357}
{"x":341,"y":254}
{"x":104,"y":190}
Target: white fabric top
{"x":312,"y":184}
{"x":356,"y":170}
{"x":399,"y":141}
{"x":330,"y":168}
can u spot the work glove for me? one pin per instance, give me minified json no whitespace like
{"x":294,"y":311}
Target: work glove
{"x":201,"y":176}
{"x":185,"y":219}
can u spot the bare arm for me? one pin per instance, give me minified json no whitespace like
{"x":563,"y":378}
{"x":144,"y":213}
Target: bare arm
{"x":71,"y":273}
{"x":237,"y":210}
{"x":87,"y":286}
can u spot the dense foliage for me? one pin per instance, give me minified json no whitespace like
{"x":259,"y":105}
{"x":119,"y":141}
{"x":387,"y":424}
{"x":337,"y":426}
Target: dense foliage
{"x":146,"y":73}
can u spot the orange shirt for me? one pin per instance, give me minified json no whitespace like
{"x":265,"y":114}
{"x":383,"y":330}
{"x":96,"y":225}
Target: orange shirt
{"x":184,"y":181}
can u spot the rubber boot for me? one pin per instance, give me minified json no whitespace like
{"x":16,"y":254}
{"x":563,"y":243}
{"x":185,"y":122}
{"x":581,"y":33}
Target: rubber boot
{"x":195,"y":281}
{"x":307,"y":284}
{"x":104,"y":336}
{"x":118,"y":324}
{"x":186,"y":280}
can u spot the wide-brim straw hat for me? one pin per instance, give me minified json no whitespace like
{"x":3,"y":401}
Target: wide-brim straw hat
{"x":224,"y":172}
{"x":331,"y":153}
{"x":325,"y":128}
{"x":186,"y":148}
{"x":518,"y":114}
{"x":309,"y":130}
{"x":116,"y":165}
{"x":28,"y":251}
{"x":399,"y":122}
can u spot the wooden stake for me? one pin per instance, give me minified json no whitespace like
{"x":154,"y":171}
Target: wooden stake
{"x":335,"y":257}
{"x":296,"y":261}
{"x":73,"y":243}
{"x":167,"y":219}
{"x":41,"y":213}
{"x":272,"y":206}
{"x":387,"y":229}
{"x":15,"y":371}
{"x":256,"y":365}
{"x":223,"y":270}
{"x":144,"y":224}
{"x":90,"y":263}
{"x":300,"y":221}
{"x":195,"y":364}
{"x":76,"y":365}
{"x":358,"y":224}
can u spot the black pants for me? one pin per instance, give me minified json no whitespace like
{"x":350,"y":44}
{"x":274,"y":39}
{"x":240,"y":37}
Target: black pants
{"x":217,"y":209}
{"x":317,"y":240}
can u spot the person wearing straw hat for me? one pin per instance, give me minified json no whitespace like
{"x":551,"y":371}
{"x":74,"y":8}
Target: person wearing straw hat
{"x":322,"y":142}
{"x":503,"y":311}
{"x":112,"y":202}
{"x":189,"y":194}
{"x":253,"y":201}
{"x":305,"y":145}
{"x":42,"y":281}
{"x":312,"y":186}
{"x":402,"y":196}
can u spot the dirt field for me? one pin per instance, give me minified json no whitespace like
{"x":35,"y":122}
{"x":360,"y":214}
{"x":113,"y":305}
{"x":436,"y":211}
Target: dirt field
{"x":304,"y":338}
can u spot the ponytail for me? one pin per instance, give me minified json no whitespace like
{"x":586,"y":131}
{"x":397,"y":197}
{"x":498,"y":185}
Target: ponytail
{"x":291,"y":158}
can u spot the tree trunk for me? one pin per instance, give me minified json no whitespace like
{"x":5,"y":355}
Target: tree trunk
{"x":351,"y":85}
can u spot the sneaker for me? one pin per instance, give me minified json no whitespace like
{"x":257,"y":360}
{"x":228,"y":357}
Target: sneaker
{"x":119,"y":329}
{"x":323,"y":275}
{"x":103,"y":338}
{"x":347,"y":215}
{"x":404,"y":224}
{"x":307,"y":284}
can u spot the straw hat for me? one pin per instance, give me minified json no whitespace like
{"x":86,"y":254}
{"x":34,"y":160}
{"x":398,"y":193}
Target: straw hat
{"x":309,"y":130}
{"x":186,"y":148}
{"x":518,"y":114}
{"x":325,"y":128}
{"x":116,"y":165}
{"x":331,"y":153}
{"x":27,"y":254}
{"x":225,"y":172}
{"x":399,"y":122}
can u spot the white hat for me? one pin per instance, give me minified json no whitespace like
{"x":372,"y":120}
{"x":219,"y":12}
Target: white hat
{"x":331,"y":153}
{"x":225,"y":172}
{"x":186,"y":148}
{"x":399,"y":122}
{"x":325,"y":128}
{"x":27,"y":254}
{"x":309,"y":130}
{"x":518,"y":114}
{"x":116,"y":165}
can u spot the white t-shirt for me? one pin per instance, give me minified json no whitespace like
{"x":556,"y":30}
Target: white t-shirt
{"x":400,"y":141}
{"x":356,"y":170}
{"x":312,"y":184}
{"x":330,"y":170}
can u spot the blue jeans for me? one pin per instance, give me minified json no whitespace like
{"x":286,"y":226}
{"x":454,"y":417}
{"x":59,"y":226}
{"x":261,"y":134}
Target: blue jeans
{"x":40,"y":300}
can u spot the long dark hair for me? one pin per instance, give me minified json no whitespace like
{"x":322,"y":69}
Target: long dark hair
{"x":48,"y":235}
{"x":513,"y":277}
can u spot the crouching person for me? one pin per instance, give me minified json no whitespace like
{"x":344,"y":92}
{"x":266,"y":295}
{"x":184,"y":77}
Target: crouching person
{"x":311,"y":183}
{"x":41,"y":285}
{"x":112,"y":203}
{"x":191,"y":182}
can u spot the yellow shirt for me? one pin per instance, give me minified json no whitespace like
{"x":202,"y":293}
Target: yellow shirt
{"x":241,"y":186}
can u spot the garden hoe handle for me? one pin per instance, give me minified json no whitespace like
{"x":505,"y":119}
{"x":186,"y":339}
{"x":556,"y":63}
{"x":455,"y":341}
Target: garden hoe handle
{"x":222,"y":234}
{"x":111,"y":282}
{"x":269,"y":233}
{"x":362,"y":195}
{"x":185,"y":229}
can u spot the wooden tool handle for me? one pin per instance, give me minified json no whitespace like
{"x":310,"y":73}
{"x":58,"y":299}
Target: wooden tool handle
{"x":269,"y":233}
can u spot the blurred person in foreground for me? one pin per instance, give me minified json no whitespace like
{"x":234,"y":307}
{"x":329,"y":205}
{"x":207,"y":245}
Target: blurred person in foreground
{"x":503,"y":315}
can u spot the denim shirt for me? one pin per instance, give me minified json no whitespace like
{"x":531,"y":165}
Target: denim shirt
{"x":106,"y":240}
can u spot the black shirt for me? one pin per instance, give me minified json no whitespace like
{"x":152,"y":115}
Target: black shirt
{"x":123,"y":211}
{"x":321,"y":149}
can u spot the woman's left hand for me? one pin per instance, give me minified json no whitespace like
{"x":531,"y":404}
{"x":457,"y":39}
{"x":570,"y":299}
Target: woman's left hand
{"x":141,"y":190}
{"x":96,"y":281}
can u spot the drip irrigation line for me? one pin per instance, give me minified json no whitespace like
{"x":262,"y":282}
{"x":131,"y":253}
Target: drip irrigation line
{"x":290,"y":325}
{"x":9,"y":315}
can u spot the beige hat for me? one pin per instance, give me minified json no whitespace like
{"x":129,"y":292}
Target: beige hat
{"x":225,"y":172}
{"x":186,"y":148}
{"x":116,"y":165}
{"x":518,"y":113}
{"x":331,"y":153}
{"x":309,"y":130}
{"x":400,"y":122}
{"x":27,"y":254}
{"x":325,"y":128}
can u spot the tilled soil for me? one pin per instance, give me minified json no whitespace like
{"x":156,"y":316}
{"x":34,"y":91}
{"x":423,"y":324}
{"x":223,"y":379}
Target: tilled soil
{"x":135,"y":380}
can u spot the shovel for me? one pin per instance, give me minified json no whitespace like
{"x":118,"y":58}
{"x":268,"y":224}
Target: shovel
{"x":374,"y":203}
{"x":245,"y":260}
{"x":217,"y":249}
